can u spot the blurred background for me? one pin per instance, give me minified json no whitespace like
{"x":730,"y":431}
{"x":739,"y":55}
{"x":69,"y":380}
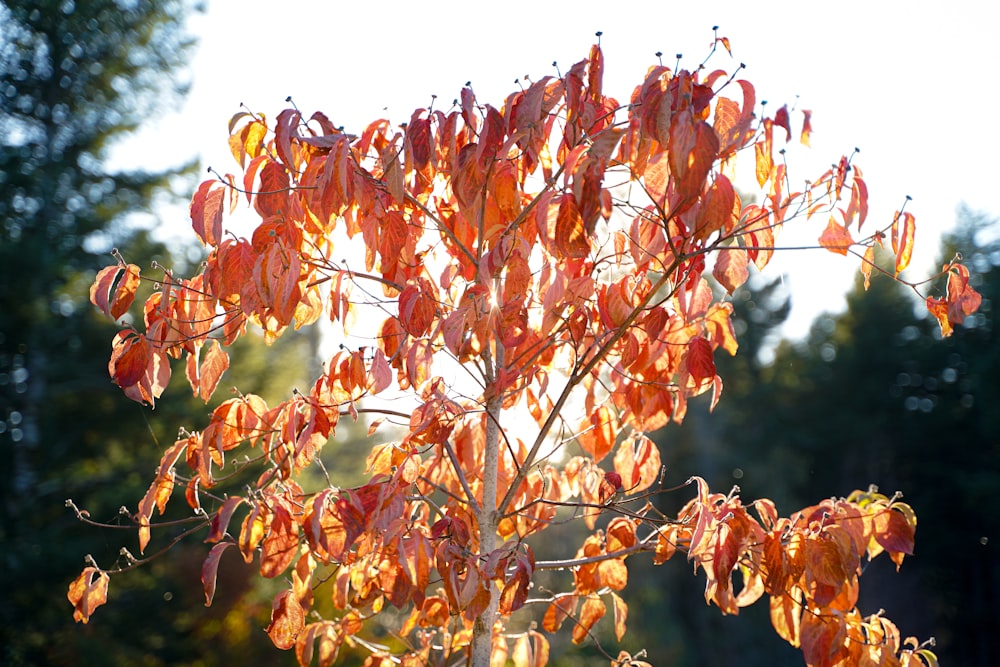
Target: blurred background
{"x":100,"y":149}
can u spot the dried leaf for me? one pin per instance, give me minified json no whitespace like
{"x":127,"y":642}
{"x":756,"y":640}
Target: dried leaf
{"x":88,"y":592}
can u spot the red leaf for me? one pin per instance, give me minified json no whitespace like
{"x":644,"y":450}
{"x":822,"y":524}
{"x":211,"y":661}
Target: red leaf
{"x":416,"y":310}
{"x":272,"y":196}
{"x":213,"y":365}
{"x":700,"y":360}
{"x":130,"y":358}
{"x":220,"y":520}
{"x":281,"y":544}
{"x":892,"y":531}
{"x":206,"y":213}
{"x":114,"y":289}
{"x":88,"y":592}
{"x":210,"y":570}
{"x":781,"y":119}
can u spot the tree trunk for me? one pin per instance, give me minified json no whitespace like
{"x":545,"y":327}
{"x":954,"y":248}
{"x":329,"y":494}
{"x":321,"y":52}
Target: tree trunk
{"x":482,"y":632}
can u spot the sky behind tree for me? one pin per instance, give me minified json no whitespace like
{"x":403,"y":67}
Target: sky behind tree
{"x":908,"y":83}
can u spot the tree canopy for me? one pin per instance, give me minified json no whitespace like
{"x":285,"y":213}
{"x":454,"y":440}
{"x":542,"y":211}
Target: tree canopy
{"x":529,"y":301}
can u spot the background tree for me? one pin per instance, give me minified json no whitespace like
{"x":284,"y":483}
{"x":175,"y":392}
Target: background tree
{"x":74,"y":79}
{"x":534,"y":276}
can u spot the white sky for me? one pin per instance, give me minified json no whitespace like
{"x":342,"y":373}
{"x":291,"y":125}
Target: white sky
{"x":912,"y":84}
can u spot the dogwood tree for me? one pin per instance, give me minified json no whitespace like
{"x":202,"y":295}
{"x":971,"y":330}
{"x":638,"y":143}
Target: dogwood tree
{"x":529,"y":283}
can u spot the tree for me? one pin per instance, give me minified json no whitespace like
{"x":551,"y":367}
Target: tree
{"x":533,"y":284}
{"x":75,"y":78}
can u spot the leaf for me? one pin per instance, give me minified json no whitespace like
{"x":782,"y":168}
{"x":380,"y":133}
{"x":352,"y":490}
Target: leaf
{"x":867,"y":264}
{"x":763,"y":153}
{"x":210,"y":570}
{"x":781,"y":119}
{"x":903,"y":229}
{"x":88,"y":592}
{"x":836,"y":238}
{"x":323,"y":639}
{"x":731,"y":268}
{"x":221,"y":518}
{"x":159,"y":491}
{"x":281,"y":544}
{"x":963,"y":300}
{"x":130,"y":358}
{"x":287,"y":620}
{"x":598,"y":433}
{"x":206,"y":213}
{"x":716,"y":210}
{"x":858,"y":206}
{"x":894,"y":533}
{"x":700,"y":360}
{"x":213,"y":365}
{"x":570,"y":235}
{"x":591,"y":612}
{"x":786,"y":615}
{"x":561,"y":608}
{"x":806,"y":127}
{"x":621,"y":615}
{"x":939,"y":309}
{"x":114,"y":289}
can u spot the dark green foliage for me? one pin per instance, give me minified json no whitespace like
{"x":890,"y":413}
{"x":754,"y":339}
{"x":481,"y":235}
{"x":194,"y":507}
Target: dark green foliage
{"x":74,"y":78}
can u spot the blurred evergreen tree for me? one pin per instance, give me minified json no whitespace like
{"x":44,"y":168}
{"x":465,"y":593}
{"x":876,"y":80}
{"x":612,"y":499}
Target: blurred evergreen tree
{"x":74,"y":78}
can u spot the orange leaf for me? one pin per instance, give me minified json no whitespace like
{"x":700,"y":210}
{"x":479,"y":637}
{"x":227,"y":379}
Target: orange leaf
{"x":903,"y":229}
{"x":287,"y":620}
{"x":858,"y":206}
{"x":786,"y":615}
{"x":763,"y":152}
{"x":867,"y":263}
{"x":731,"y":268}
{"x":716,"y":210}
{"x":963,"y":300}
{"x":598,"y":433}
{"x":570,"y":235}
{"x":114,"y":289}
{"x":591,"y":612}
{"x":213,"y":365}
{"x":324,"y":639}
{"x":939,"y":309}
{"x":621,"y":615}
{"x":561,"y":608}
{"x":836,"y":238}
{"x":806,"y":127}
{"x":88,"y":592}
